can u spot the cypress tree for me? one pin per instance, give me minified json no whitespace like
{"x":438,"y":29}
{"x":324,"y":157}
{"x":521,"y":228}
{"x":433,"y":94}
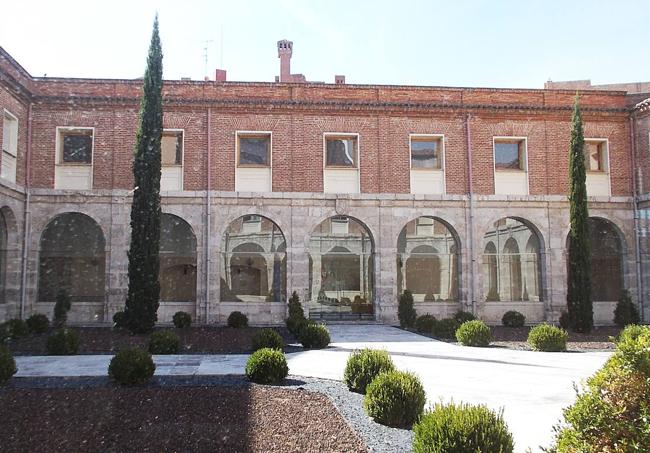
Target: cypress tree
{"x":579,"y":304}
{"x":144,"y":262}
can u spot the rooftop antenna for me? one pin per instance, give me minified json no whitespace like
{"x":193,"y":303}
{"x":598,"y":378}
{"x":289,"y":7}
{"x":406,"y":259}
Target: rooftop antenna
{"x":205,"y":56}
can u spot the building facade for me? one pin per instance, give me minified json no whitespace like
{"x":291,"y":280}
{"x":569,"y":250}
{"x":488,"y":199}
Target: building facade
{"x":346,"y":194}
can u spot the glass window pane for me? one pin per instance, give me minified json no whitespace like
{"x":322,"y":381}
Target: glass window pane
{"x":77,"y":148}
{"x":507,"y":155}
{"x":341,"y":152}
{"x":172,"y":148}
{"x":425,"y":153}
{"x":254,"y":150}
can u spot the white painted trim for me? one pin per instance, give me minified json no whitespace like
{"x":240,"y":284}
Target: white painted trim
{"x":14,"y":118}
{"x":607,"y":167}
{"x":182,"y":131}
{"x":356,"y":168}
{"x":443,"y":160}
{"x":57,"y":150}
{"x":496,"y":138}
{"x":269,"y":166}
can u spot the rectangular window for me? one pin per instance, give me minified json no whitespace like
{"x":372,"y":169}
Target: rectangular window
{"x":509,"y":154}
{"x":595,"y":155}
{"x":10,"y":134}
{"x":426,"y":153}
{"x":254,"y":150}
{"x":76,"y":146}
{"x":171,"y":148}
{"x":341,"y":151}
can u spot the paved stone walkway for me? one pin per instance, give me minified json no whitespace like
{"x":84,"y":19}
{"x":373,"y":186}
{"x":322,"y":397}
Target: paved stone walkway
{"x":531,"y":387}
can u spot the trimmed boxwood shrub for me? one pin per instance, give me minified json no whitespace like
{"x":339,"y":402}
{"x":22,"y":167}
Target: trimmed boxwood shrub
{"x":461,"y":428}
{"x":131,"y":366}
{"x":631,"y":332}
{"x":395,"y":398}
{"x":365,"y":365}
{"x":237,"y":319}
{"x":17,"y":328}
{"x":119,"y":320}
{"x":63,"y":342}
{"x":445,"y":328}
{"x":295,"y":324}
{"x":474,"y":333}
{"x":182,"y":320}
{"x":38,"y":323}
{"x":267,"y":338}
{"x":424,"y":323}
{"x":548,"y":338}
{"x":405,"y":310}
{"x":626,"y":311}
{"x":513,"y":318}
{"x":314,"y":336}
{"x":267,"y":366}
{"x":164,"y":342}
{"x":463,"y":316}
{"x":7,"y":365}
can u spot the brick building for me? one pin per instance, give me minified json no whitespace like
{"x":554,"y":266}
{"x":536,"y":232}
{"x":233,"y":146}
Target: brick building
{"x":347,"y":194}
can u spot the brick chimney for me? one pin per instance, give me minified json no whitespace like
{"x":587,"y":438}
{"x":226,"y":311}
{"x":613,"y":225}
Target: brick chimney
{"x":285,"y":48}
{"x":220,"y":75}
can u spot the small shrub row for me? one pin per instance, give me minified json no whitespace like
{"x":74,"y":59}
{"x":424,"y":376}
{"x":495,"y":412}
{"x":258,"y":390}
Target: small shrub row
{"x":445,"y":328}
{"x":364,"y":366}
{"x":424,"y":323}
{"x":474,"y":333}
{"x":237,"y":320}
{"x":395,"y":398}
{"x":63,"y":342}
{"x":267,"y":338}
{"x":549,"y":338}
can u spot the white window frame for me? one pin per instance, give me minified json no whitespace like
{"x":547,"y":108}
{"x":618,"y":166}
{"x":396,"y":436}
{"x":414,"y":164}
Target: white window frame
{"x":58,"y":153}
{"x":10,"y":153}
{"x":497,"y":138}
{"x":253,"y":134}
{"x":443,"y":160}
{"x":182,"y":164}
{"x":605,"y":159}
{"x":12,"y":118}
{"x":342,"y":135}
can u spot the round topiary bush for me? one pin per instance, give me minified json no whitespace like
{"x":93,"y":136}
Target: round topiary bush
{"x":364,"y":366}
{"x":267,"y":366}
{"x":314,"y":336}
{"x":395,"y":398}
{"x":445,"y":328}
{"x":119,"y":320}
{"x":237,"y":319}
{"x":38,"y":323}
{"x":463,"y":316}
{"x":461,"y":428}
{"x":164,"y":342}
{"x":513,"y":318}
{"x":17,"y":328}
{"x":267,"y":338}
{"x":7,"y":365}
{"x":424,"y":323}
{"x":131,"y":366}
{"x":474,"y":333}
{"x":63,"y":342}
{"x":545,"y":337}
{"x":182,"y":320}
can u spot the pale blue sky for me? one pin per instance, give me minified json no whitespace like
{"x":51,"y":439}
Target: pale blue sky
{"x":453,"y":43}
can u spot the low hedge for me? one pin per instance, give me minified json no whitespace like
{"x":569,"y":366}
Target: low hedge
{"x":461,"y":428}
{"x":63,"y":342}
{"x":38,"y":323}
{"x":7,"y":365}
{"x":314,"y":336}
{"x":395,"y":398}
{"x":364,"y":366}
{"x":463,"y":316}
{"x":164,"y":342}
{"x":513,"y":318}
{"x":182,"y":320}
{"x":237,"y":319}
{"x":548,"y":338}
{"x":474,"y":333}
{"x":267,"y":366}
{"x":131,"y":366}
{"x":17,"y":328}
{"x":424,"y":323}
{"x":445,"y":328}
{"x":267,"y":338}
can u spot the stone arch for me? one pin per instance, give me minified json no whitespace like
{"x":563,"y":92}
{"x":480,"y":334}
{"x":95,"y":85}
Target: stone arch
{"x":253,"y":262}
{"x":177,"y":274}
{"x":608,"y":259}
{"x":72,"y":257}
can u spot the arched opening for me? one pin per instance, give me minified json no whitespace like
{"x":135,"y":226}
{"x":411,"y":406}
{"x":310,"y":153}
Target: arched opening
{"x":72,"y":258}
{"x":607,"y":252}
{"x":341,"y":259}
{"x":254,"y":264}
{"x":177,"y":260}
{"x":427,"y":261}
{"x":511,"y":262}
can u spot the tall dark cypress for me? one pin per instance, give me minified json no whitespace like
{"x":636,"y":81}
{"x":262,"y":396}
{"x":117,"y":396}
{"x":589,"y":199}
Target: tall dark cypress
{"x":144,"y":262}
{"x":579,"y":274}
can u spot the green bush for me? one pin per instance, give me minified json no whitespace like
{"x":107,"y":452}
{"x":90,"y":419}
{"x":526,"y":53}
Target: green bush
{"x":61,"y":308}
{"x":626,"y":311}
{"x":5,"y":333}
{"x":237,"y":319}
{"x":365,"y":365}
{"x":424,"y":323}
{"x":182,"y":320}
{"x":463,"y":316}
{"x":445,"y":328}
{"x":267,"y":366}
{"x":405,"y":310}
{"x":17,"y":328}
{"x":267,"y":338}
{"x":131,"y":366}
{"x":63,"y":342}
{"x":295,"y":324}
{"x":612,"y":409}
{"x":7,"y":365}
{"x":295,"y":309}
{"x":164,"y":342}
{"x":461,"y":428}
{"x":474,"y":333}
{"x":119,"y":320}
{"x":38,"y":323}
{"x":564,"y":320}
{"x":395,"y":398}
{"x":545,"y":337}
{"x":513,"y":318}
{"x":314,"y":336}
{"x":633,"y":331}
